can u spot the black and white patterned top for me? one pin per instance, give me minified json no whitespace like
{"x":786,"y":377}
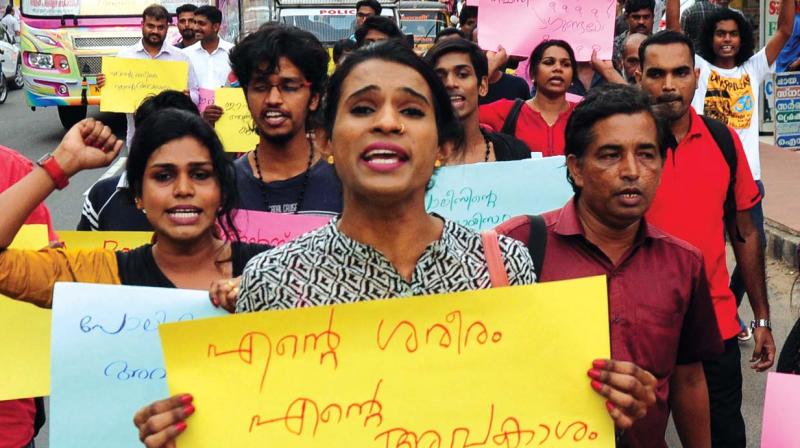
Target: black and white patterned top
{"x":325,"y":267}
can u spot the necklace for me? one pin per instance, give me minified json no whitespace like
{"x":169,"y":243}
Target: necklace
{"x":488,"y":145}
{"x":263,"y":185}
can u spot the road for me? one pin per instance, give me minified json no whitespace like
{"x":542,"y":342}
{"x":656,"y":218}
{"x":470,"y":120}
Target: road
{"x":34,"y":133}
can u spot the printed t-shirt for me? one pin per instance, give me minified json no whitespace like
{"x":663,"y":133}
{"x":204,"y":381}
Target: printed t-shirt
{"x":322,"y":192}
{"x":689,"y":205}
{"x":531,"y":127}
{"x":732,"y":97}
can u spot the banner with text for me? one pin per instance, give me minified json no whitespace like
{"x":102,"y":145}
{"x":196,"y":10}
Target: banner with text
{"x":25,"y":357}
{"x":130,"y":81}
{"x":458,"y":369}
{"x":107,"y":360}
{"x":786,"y":88}
{"x":116,"y":241}
{"x":519,"y":25}
{"x":483,"y":195}
{"x":274,"y":228}
{"x":234,"y":126}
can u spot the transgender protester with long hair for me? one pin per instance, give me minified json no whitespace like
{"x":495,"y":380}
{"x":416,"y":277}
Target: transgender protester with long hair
{"x":178,"y":175}
{"x":385,"y":135}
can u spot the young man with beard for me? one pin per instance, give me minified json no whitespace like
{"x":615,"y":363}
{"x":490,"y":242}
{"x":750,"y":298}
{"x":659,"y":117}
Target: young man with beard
{"x":731,"y":73}
{"x":282,"y":71}
{"x":691,"y":204}
{"x":155,"y":22}
{"x":463,"y":68}
{"x":185,"y":15}
{"x":660,"y":313}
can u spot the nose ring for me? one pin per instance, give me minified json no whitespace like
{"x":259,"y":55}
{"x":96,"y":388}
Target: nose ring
{"x":402,"y":129}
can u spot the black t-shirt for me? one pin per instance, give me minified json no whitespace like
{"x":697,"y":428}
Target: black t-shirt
{"x":508,"y":87}
{"x":507,"y":147}
{"x":137,"y":267}
{"x":108,"y":207}
{"x":322,"y":195}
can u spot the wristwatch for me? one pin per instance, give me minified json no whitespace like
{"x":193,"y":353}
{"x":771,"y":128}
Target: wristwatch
{"x":50,"y":164}
{"x":760,"y":323}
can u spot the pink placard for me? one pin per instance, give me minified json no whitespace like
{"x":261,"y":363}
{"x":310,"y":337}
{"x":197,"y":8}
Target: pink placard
{"x":206,"y":99}
{"x":781,"y":411}
{"x":519,"y":25}
{"x":274,"y":228}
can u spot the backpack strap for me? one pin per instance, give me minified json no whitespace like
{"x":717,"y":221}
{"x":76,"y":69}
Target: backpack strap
{"x":537,"y":242}
{"x":494,"y":259}
{"x":510,"y":125}
{"x":722,"y":137}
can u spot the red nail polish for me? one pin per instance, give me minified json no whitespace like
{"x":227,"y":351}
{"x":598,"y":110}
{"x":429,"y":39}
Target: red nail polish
{"x":610,"y":406}
{"x":594,"y":373}
{"x":188,"y":410}
{"x":600,"y":364}
{"x":596,"y":385}
{"x":186,"y":398}
{"x":180,"y":427}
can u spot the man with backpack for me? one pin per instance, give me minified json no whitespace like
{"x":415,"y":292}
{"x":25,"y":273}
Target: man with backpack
{"x":707,"y":188}
{"x":660,"y":313}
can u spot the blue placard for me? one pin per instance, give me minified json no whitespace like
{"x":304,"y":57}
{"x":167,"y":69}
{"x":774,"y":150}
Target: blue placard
{"x":787,"y":79}
{"x":790,"y":105}
{"x":788,"y":141}
{"x":106,"y":358}
{"x":483,"y":195}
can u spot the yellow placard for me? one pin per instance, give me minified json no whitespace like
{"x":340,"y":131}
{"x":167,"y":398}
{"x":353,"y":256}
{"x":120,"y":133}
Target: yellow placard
{"x":234,"y":126}
{"x":501,"y":367}
{"x":130,"y":81}
{"x":116,"y":241}
{"x":25,"y":357}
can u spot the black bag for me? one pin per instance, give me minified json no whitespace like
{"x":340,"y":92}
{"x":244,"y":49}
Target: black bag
{"x":537,"y":242}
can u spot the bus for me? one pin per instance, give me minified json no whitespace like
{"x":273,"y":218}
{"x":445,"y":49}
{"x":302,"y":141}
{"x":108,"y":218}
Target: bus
{"x":63,"y":42}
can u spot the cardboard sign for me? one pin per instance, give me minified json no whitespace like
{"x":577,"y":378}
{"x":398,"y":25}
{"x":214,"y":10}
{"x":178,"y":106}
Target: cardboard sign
{"x":786,"y":116}
{"x":107,"y":359}
{"x":452,"y":370}
{"x":116,"y":241}
{"x":519,"y":25}
{"x":234,"y":126}
{"x":274,"y":228}
{"x":25,"y":357}
{"x":483,"y":195}
{"x":781,"y":411}
{"x":205,"y":99}
{"x":131,"y":81}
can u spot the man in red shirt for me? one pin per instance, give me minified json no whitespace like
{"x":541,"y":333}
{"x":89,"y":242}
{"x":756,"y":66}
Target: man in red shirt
{"x":17,"y":416}
{"x":660,"y":313}
{"x":690,"y":204}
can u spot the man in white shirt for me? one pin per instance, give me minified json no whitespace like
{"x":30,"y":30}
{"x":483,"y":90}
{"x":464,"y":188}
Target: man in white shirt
{"x":209,"y":55}
{"x":155,"y":22}
{"x":11,"y":24}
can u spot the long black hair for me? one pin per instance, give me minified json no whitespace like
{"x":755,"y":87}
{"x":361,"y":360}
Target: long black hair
{"x":748,"y":42}
{"x":166,"y":125}
{"x":538,"y":54}
{"x":448,"y":126}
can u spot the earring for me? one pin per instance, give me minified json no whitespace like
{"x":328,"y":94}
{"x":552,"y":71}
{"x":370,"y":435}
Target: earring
{"x":437,"y":163}
{"x":330,"y":159}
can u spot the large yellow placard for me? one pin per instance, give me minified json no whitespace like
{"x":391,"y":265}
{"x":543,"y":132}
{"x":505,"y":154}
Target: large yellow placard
{"x":235,"y":125}
{"x":25,"y":357}
{"x":502,"y":367}
{"x":116,"y":241}
{"x":130,"y":81}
